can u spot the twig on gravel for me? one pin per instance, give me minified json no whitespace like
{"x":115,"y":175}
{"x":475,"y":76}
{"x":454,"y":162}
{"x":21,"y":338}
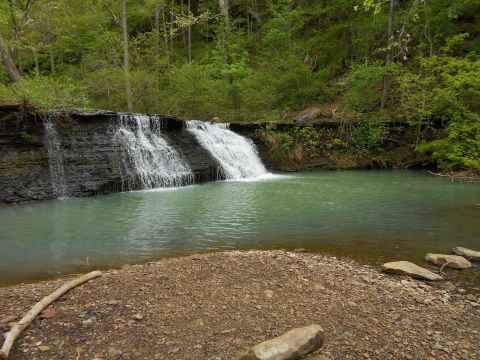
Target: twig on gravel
{"x":441,"y":269}
{"x":18,"y":327}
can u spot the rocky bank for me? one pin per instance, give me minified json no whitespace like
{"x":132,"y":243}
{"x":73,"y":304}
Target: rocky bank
{"x":217,"y":306}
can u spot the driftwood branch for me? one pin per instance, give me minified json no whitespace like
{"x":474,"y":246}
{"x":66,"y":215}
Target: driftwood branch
{"x":18,"y":327}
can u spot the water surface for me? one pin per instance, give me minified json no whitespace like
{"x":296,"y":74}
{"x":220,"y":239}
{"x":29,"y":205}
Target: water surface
{"x":371,"y":216}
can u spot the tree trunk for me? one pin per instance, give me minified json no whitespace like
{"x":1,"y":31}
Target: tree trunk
{"x":50,"y":50}
{"x":171,"y":26}
{"x":164,"y":21}
{"x":226,"y":48}
{"x":8,"y":62}
{"x":16,"y":31}
{"x":126,"y":61}
{"x":388,"y":60}
{"x":157,"y":28}
{"x":189,"y":35}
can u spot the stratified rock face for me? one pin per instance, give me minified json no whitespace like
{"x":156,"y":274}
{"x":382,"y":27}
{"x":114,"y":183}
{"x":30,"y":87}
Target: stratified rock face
{"x":467,"y":253}
{"x":452,"y":261}
{"x":91,"y":160}
{"x":289,"y":346}
{"x":410,"y":269}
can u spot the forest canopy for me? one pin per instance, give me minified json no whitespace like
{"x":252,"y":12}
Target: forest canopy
{"x":411,"y":60}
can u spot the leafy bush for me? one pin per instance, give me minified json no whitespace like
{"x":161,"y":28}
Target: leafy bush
{"x":364,"y":86}
{"x":47,"y":92}
{"x":446,"y":91}
{"x":369,"y":136}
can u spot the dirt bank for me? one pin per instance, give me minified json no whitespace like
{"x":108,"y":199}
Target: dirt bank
{"x":216,"y":306}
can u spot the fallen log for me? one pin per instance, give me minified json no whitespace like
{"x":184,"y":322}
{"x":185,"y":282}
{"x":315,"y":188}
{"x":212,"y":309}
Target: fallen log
{"x":18,"y":327}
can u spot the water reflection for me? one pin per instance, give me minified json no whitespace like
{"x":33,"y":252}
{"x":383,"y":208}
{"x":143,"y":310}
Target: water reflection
{"x":371,"y":216}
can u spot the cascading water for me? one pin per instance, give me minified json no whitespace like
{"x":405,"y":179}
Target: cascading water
{"x":237,"y":155}
{"x":55,"y":158}
{"x":148,"y":161}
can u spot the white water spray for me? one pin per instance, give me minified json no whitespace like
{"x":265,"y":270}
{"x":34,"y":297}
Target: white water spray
{"x":236,"y":154}
{"x":148,"y":161}
{"x":55,"y":159}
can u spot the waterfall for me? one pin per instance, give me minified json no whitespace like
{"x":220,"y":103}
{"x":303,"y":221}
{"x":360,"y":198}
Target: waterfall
{"x":236,"y":154}
{"x":55,"y":158}
{"x":148,"y":161}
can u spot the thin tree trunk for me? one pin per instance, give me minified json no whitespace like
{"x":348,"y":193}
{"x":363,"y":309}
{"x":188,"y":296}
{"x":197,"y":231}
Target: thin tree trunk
{"x":16,"y":31}
{"x":52,"y":62}
{"x":226,"y":47}
{"x":35,"y":60}
{"x":184,"y":32}
{"x":8,"y":62}
{"x":157,"y":28}
{"x":126,"y":61}
{"x":388,"y":60}
{"x":171,"y":26}
{"x":189,"y":36}
{"x":50,"y":50}
{"x":249,"y":33}
{"x":164,"y":21}
{"x":34,"y":51}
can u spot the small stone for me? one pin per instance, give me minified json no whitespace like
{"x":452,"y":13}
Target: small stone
{"x":300,"y":250}
{"x":470,"y":297}
{"x":292,"y":345}
{"x":8,"y":319}
{"x":451,"y":261}
{"x":113,"y":302}
{"x":410,"y":269}
{"x":44,"y":348}
{"x":115,"y":352}
{"x":198,"y":346}
{"x":138,"y":316}
{"x":467,"y":253}
{"x":449,"y":286}
{"x":269,"y":293}
{"x":47,"y":314}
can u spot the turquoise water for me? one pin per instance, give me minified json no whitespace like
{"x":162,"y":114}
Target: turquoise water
{"x":371,"y":216}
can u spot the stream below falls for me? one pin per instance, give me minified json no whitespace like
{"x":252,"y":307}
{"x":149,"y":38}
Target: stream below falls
{"x":370,"y":216}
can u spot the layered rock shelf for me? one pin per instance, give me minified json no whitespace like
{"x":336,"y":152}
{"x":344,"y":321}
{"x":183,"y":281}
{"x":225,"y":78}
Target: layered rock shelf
{"x":91,"y":160}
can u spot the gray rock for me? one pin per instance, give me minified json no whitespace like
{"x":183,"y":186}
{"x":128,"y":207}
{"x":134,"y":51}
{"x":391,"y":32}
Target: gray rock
{"x":289,"y":346}
{"x":410,"y":269}
{"x":451,"y":261}
{"x":467,"y":253}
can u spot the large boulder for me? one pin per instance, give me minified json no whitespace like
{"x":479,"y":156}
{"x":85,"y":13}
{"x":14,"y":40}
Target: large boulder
{"x":410,"y":269}
{"x":467,"y":253}
{"x":290,"y":346}
{"x":452,"y":261}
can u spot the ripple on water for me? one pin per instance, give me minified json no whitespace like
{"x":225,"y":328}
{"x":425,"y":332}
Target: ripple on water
{"x":372,"y":216}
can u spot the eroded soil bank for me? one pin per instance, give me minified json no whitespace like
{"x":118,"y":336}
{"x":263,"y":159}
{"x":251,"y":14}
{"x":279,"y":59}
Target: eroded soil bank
{"x":216,"y":306}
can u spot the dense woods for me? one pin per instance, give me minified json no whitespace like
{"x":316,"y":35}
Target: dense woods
{"x":367,"y":60}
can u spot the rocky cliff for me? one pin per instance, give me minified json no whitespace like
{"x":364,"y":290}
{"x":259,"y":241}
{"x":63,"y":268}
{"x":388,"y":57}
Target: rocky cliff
{"x":91,"y":160}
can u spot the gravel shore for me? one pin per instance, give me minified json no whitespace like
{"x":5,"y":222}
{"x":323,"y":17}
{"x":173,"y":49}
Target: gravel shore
{"x":216,"y":306}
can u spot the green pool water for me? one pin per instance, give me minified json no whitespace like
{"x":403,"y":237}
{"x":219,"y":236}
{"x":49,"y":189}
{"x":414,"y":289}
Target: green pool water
{"x":370,"y":216}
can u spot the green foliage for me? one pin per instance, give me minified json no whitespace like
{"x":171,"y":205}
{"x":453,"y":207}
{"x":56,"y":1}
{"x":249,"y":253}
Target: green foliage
{"x":447,"y":91}
{"x":279,"y":57}
{"x":461,"y":148}
{"x":369,"y":136}
{"x":47,"y":93}
{"x":363,"y":86}
{"x":308,"y":137}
